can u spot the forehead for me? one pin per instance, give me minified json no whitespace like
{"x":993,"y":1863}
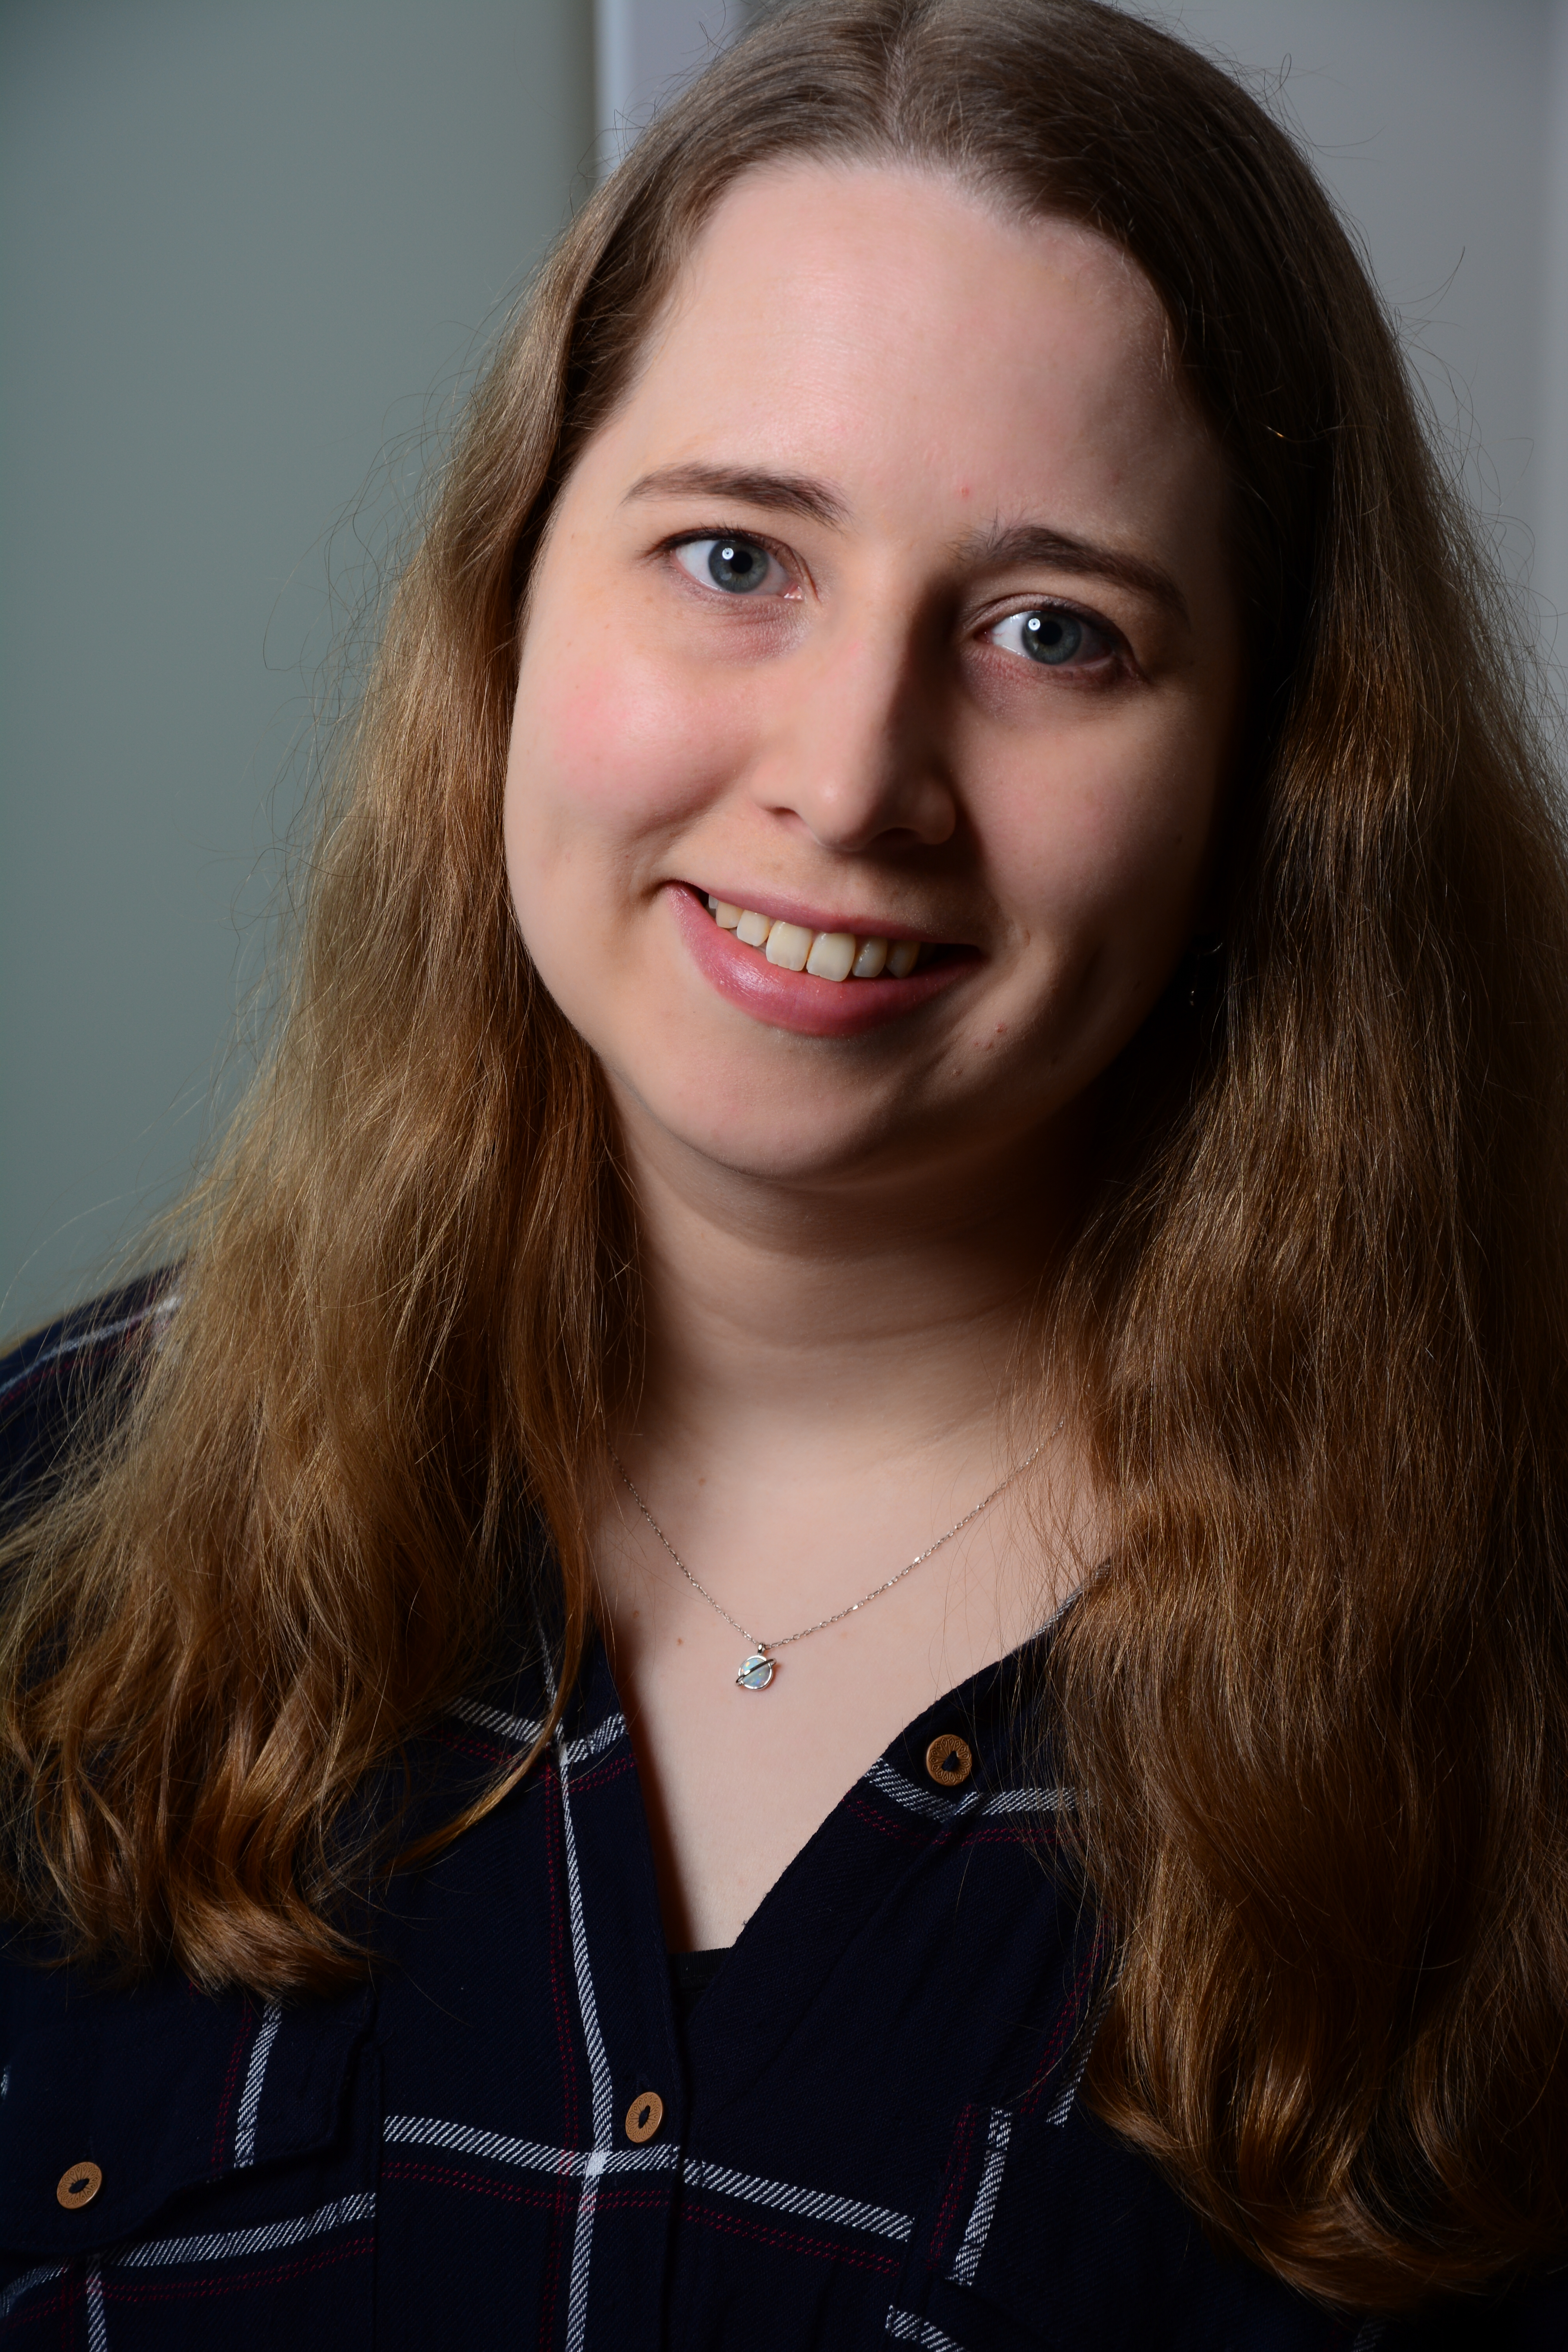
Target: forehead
{"x":865,"y":317}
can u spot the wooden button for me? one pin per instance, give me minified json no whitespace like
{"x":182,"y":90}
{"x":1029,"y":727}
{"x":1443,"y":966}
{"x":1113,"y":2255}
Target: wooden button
{"x":78,"y":2185}
{"x":645,"y":2116}
{"x":948,"y":1760}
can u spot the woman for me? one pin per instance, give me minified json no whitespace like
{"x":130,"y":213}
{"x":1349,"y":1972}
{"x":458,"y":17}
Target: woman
{"x":916,"y":1149}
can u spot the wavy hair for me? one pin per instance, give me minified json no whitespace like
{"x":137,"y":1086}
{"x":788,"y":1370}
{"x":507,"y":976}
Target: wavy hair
{"x":1315,"y":1700}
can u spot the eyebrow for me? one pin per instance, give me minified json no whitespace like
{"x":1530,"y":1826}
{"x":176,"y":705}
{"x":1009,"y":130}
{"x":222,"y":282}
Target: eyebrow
{"x":1035,"y":544}
{"x":793,"y":493}
{"x":802,"y":494}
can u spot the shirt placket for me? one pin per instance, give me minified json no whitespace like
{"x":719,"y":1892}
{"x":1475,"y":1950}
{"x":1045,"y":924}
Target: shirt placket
{"x":627,"y":2174}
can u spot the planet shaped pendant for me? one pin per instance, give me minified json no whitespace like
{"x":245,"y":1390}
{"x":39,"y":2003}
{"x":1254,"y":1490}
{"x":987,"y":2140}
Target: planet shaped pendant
{"x":756,"y":1671}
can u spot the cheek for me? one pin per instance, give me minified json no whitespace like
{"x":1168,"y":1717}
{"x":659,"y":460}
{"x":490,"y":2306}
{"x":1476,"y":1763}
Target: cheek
{"x":609,"y":737}
{"x":1107,"y":846}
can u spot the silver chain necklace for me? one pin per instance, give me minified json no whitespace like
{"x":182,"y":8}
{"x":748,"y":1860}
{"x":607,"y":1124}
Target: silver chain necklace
{"x":758,"y":1670}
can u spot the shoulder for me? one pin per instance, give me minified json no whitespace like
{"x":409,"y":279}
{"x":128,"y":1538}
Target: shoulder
{"x":58,"y":1374}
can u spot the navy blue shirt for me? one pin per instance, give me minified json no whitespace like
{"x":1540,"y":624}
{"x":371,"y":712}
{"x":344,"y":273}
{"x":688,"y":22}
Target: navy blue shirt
{"x":868,"y":2131}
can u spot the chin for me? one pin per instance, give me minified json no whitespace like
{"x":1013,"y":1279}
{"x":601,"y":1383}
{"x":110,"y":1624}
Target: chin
{"x":771,"y":1133}
{"x":792,"y":1129}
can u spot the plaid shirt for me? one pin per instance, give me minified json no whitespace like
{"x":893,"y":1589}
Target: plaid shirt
{"x":868,"y":2133}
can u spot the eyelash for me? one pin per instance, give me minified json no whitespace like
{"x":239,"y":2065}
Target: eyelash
{"x":1113,"y":647}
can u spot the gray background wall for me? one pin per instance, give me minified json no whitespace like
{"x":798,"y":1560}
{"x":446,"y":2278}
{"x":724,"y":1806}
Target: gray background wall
{"x":248,"y":248}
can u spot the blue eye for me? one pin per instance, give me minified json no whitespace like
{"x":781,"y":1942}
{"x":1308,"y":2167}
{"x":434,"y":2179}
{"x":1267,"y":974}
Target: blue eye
{"x":1051,"y":637}
{"x":738,"y":566}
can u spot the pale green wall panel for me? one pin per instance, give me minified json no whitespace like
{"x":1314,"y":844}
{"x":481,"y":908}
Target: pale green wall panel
{"x":247,"y":252}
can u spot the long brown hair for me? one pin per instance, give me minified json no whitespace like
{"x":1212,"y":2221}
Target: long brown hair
{"x":1315,"y":1702}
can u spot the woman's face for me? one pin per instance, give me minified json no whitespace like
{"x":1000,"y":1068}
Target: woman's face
{"x":889,"y":605}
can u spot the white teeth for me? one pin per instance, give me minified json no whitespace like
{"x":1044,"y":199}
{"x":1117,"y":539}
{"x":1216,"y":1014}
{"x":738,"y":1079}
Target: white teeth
{"x":832,"y":954}
{"x":789,"y":944}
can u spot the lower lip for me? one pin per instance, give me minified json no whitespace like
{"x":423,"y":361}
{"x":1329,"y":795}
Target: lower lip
{"x":798,"y":1000}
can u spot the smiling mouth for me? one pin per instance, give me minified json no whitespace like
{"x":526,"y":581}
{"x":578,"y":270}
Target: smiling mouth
{"x":828,"y":955}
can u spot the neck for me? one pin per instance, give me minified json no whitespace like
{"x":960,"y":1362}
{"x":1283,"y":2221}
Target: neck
{"x":828,"y":1376}
{"x":833,"y":1323}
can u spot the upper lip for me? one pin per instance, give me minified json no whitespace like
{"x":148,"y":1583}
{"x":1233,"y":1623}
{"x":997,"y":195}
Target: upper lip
{"x":782,"y":909}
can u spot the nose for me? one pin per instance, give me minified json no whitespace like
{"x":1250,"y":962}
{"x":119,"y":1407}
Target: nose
{"x":855,"y":755}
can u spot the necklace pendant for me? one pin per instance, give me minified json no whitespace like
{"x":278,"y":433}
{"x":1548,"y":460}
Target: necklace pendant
{"x":756,"y":1671}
